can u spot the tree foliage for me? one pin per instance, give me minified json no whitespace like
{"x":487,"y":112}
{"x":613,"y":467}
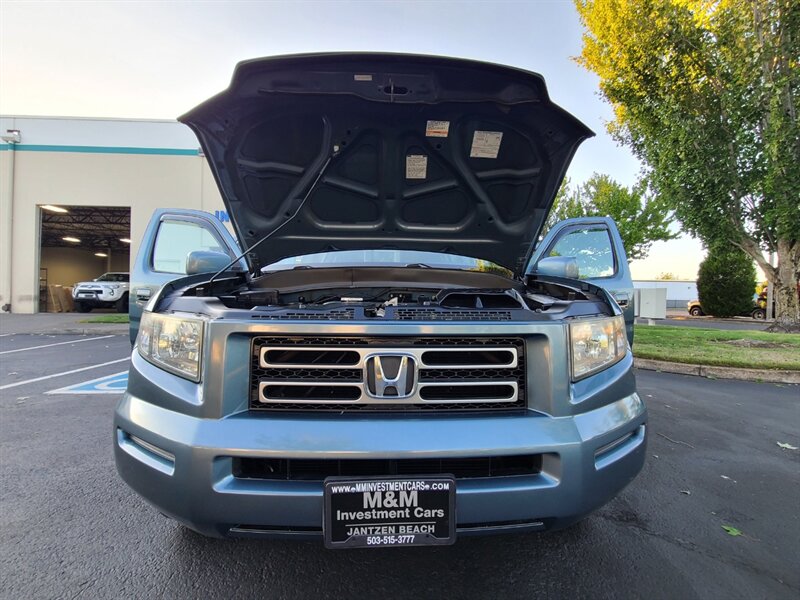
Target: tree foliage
{"x":726,"y":281}
{"x":566,"y":205}
{"x":641,"y":218}
{"x":705,"y":94}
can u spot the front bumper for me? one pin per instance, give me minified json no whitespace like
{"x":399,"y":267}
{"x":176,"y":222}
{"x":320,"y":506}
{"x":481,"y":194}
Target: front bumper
{"x":96,"y":296}
{"x":183,"y":464}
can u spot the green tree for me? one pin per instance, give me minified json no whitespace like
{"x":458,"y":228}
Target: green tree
{"x":726,"y":282}
{"x":705,"y":94}
{"x":666,"y":276}
{"x":641,"y":218}
{"x":567,"y":205}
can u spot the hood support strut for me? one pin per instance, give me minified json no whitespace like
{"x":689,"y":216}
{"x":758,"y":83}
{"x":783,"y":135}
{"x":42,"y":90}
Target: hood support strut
{"x":269,"y":234}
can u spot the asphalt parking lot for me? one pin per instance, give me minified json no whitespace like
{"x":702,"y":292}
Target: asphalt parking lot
{"x":71,"y":528}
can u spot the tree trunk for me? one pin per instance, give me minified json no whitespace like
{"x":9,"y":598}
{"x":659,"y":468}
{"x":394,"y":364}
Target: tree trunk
{"x":785,"y":287}
{"x":784,"y":280}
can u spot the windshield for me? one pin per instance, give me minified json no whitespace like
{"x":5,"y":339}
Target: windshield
{"x":115,"y":277}
{"x":386,"y":258}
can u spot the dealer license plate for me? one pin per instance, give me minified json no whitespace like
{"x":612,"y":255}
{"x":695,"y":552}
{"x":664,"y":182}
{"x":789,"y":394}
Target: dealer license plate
{"x":389,"y":511}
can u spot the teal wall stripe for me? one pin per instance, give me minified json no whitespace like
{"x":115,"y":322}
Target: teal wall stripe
{"x":100,"y":149}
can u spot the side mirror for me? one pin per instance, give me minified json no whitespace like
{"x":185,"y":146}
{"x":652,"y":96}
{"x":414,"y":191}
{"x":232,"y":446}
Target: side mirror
{"x":557,"y":266}
{"x":206,"y":261}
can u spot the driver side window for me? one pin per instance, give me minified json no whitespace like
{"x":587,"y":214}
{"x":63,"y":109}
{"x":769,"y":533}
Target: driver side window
{"x":591,"y":247}
{"x":175,"y":240}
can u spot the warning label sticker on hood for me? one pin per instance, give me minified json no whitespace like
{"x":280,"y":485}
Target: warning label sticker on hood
{"x":416,"y":166}
{"x":486,"y":144}
{"x":437,"y":129}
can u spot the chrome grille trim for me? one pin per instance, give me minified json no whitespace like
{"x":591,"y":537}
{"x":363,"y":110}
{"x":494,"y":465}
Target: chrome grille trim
{"x":338,"y":373}
{"x":366,"y":398}
{"x":262,"y":394}
{"x":364,"y":353}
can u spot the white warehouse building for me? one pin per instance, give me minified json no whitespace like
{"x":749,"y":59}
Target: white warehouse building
{"x":92,"y":180}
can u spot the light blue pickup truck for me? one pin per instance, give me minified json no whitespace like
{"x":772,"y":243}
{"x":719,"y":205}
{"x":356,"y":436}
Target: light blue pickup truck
{"x":388,"y":353}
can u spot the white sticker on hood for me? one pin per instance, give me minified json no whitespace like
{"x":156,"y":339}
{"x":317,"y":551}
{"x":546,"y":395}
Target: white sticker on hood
{"x":358,"y":77}
{"x":486,"y":144}
{"x":437,"y":128}
{"x":416,"y":166}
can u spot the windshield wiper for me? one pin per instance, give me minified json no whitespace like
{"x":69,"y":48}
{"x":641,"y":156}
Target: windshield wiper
{"x":278,"y":228}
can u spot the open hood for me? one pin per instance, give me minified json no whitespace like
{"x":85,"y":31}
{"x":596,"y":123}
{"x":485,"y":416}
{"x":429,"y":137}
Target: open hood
{"x":415,"y":153}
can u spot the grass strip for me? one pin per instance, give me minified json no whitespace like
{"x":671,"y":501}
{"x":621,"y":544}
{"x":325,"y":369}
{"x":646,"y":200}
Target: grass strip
{"x":107,"y":319}
{"x":723,"y":348}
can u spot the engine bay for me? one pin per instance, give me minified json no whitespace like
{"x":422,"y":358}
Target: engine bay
{"x":403,"y":295}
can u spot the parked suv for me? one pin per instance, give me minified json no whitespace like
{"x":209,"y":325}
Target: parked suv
{"x":110,"y":290}
{"x":387,"y":356}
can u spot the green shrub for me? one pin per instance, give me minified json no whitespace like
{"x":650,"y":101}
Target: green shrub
{"x":726,"y":282}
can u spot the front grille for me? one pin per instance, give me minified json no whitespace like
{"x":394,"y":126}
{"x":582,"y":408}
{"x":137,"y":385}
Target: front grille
{"x":341,"y":373}
{"x":250,"y":530}
{"x":317,"y":470}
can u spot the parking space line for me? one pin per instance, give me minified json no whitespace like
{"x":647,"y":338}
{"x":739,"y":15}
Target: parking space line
{"x":102,"y":337}
{"x":18,"y":383}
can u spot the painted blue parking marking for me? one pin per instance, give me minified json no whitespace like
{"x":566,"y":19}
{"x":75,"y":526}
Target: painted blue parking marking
{"x":110,"y":384}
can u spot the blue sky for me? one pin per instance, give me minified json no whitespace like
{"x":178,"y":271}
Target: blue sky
{"x":158,"y":59}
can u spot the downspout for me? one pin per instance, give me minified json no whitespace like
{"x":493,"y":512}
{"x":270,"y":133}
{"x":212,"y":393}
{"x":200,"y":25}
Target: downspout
{"x":11,"y":137}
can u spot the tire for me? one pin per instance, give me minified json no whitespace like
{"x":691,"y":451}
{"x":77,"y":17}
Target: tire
{"x":759,"y":313}
{"x":122,"y":304}
{"x":82,"y":307}
{"x":695,"y":311}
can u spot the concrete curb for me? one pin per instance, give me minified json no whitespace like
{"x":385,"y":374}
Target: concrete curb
{"x":765,"y":375}
{"x":104,"y":329}
{"x":56,"y":324}
{"x":72,"y":329}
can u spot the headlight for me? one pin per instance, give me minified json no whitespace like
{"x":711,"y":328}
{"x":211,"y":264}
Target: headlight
{"x":172,"y":343}
{"x":113,"y":286}
{"x":596,"y":344}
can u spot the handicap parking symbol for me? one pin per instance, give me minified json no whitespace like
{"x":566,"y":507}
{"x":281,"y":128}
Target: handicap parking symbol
{"x":110,"y":384}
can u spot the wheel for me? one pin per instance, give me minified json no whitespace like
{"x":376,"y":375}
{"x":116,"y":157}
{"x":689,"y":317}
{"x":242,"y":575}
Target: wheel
{"x":82,"y":307}
{"x":759,"y":313}
{"x":122,"y":304}
{"x":695,"y":311}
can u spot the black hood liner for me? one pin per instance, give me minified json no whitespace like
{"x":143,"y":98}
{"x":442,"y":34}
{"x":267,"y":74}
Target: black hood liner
{"x":267,"y":136}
